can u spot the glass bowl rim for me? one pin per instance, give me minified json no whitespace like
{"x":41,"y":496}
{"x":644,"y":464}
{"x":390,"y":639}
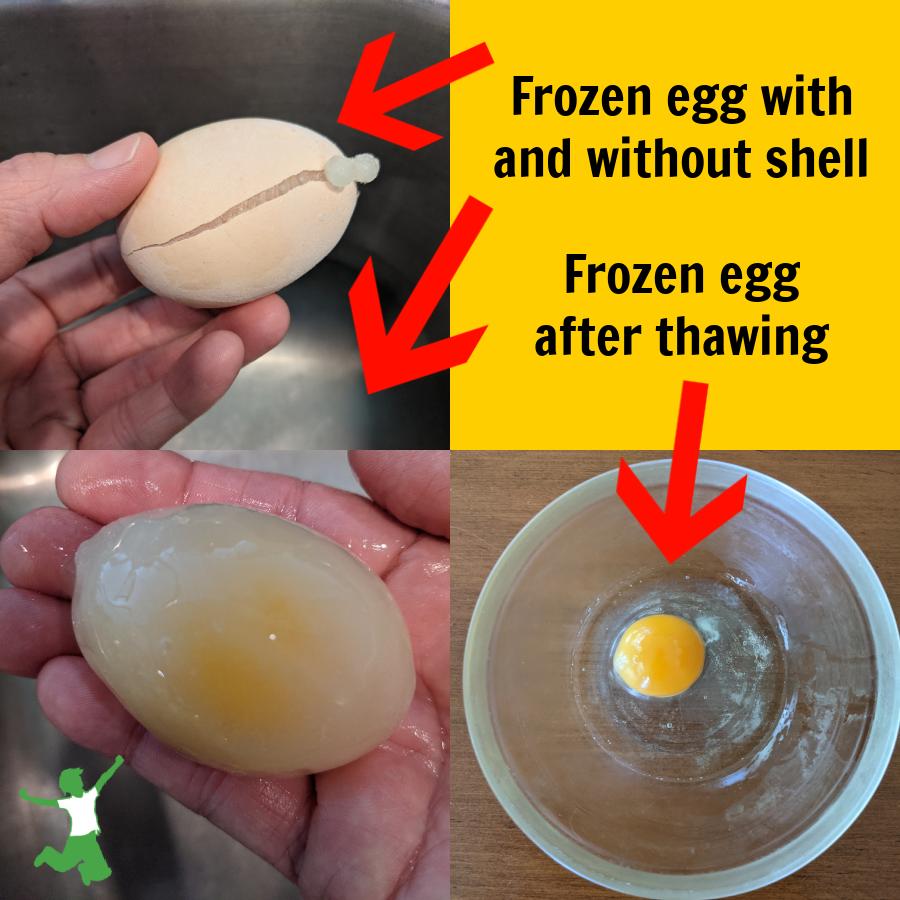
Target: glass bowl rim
{"x":843,"y":809}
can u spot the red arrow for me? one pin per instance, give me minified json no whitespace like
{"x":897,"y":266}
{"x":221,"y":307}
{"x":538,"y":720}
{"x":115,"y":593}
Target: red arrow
{"x":388,"y":358}
{"x":675,"y":531}
{"x":364,"y":108}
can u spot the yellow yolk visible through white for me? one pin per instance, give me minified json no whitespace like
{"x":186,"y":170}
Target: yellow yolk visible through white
{"x":659,"y":656}
{"x":242,"y":640}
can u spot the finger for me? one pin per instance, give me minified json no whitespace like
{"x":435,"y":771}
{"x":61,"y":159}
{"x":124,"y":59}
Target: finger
{"x":83,"y":708}
{"x":43,"y":411}
{"x":107,"y":486}
{"x":267,"y":816}
{"x":420,"y":583}
{"x":34,"y":628}
{"x":145,"y":323}
{"x":74,"y":283}
{"x":42,"y":195}
{"x":413,"y":485}
{"x":261,"y":325}
{"x":37,"y":552}
{"x":371,"y":814}
{"x":431,"y":875}
{"x":159,"y":411}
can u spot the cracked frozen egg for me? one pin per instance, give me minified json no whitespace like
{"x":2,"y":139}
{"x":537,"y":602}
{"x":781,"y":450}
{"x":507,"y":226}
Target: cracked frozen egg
{"x":242,"y":640}
{"x":238,"y":209}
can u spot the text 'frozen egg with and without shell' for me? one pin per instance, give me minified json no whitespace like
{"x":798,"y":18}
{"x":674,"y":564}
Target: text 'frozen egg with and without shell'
{"x":237,"y":209}
{"x":242,"y":640}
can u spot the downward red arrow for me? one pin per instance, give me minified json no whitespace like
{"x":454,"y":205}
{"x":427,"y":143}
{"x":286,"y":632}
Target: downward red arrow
{"x":364,"y":108}
{"x":675,"y":531}
{"x":388,"y":358}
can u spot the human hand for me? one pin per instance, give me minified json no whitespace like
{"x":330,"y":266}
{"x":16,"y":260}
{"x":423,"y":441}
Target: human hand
{"x":375,"y":828}
{"x":131,"y":379}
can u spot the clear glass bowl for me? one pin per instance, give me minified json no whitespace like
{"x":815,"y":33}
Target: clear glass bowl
{"x":749,"y":774}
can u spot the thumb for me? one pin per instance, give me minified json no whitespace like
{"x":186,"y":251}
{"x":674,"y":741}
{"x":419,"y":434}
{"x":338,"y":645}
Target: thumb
{"x":42,"y":195}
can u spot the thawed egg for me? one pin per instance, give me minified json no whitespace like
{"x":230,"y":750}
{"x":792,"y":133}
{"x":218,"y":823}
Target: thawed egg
{"x":659,"y":656}
{"x":242,"y":640}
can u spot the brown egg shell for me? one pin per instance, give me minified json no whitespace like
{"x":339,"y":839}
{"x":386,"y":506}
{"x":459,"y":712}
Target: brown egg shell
{"x":204,"y":174}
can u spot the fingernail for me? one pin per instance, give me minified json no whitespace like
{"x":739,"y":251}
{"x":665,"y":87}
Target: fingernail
{"x":117,"y":154}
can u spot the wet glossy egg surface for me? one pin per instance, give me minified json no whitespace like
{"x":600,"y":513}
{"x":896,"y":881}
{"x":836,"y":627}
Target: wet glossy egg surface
{"x":242,"y":640}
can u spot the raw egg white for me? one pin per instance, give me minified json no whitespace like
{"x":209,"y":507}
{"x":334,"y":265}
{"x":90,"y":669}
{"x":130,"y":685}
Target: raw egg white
{"x":238,"y":209}
{"x":242,"y":640}
{"x":659,"y":656}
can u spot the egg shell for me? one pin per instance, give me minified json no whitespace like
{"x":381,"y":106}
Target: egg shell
{"x":204,"y":173}
{"x":242,"y":640}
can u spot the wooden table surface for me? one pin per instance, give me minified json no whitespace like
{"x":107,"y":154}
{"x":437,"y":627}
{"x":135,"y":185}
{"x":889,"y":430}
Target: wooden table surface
{"x":494,"y":494}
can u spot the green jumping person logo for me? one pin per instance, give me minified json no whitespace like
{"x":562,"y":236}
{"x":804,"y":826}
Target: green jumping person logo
{"x":81,"y":848}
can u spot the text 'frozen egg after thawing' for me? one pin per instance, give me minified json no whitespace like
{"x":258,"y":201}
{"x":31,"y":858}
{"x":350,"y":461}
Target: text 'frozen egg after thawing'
{"x":242,"y":640}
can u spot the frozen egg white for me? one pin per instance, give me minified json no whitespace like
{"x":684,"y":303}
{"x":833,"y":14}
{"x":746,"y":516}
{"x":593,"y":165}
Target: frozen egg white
{"x":242,"y":640}
{"x":238,"y":209}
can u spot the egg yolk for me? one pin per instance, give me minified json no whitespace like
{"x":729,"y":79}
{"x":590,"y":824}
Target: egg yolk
{"x":660,"y":656}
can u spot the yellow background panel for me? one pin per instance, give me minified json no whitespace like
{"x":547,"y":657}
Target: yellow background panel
{"x":842,"y":230}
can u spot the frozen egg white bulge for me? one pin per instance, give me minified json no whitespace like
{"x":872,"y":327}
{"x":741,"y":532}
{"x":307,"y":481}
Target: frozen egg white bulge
{"x":242,"y":640}
{"x":238,"y":209}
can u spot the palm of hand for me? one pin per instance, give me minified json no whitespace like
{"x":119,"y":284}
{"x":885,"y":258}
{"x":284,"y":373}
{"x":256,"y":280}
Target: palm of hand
{"x":130,"y":379}
{"x":375,"y":828}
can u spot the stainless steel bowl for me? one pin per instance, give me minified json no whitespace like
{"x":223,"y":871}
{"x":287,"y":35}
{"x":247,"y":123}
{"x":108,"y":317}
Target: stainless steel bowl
{"x":76,"y":76}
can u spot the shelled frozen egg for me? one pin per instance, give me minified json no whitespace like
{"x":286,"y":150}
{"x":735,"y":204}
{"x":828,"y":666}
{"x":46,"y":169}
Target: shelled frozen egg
{"x":242,"y":640}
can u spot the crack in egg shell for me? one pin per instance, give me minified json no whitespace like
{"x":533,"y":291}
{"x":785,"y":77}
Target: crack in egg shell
{"x":208,"y":172}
